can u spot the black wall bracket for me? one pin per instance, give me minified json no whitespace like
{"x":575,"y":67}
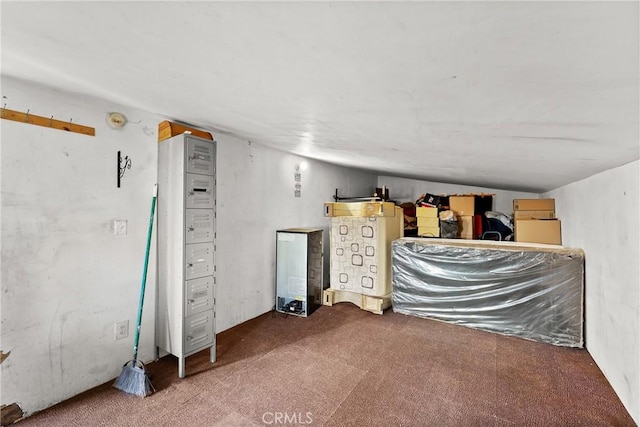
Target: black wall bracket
{"x":123,"y":165}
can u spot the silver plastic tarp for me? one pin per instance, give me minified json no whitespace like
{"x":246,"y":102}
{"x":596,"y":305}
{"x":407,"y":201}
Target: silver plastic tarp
{"x":525,"y":290}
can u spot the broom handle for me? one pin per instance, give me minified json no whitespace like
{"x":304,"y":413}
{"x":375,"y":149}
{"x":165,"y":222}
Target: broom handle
{"x":144,"y":273}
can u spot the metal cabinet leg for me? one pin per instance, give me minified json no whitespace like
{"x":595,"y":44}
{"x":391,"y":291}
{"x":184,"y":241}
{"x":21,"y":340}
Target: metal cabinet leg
{"x":213,"y":352}
{"x":181,"y":363}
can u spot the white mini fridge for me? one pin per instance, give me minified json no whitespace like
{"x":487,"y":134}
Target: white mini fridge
{"x":299,"y":271}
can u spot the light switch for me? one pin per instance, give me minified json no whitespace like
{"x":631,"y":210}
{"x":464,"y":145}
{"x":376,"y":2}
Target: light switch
{"x":120,"y":227}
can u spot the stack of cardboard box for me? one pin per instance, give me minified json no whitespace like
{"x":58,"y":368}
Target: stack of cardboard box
{"x":428,"y":222}
{"x":535,"y":221}
{"x":463,"y":207}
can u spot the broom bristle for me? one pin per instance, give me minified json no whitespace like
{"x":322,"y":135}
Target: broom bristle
{"x":134,"y":380}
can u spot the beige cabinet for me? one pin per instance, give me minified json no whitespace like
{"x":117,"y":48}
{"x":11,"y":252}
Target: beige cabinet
{"x":360,"y":247}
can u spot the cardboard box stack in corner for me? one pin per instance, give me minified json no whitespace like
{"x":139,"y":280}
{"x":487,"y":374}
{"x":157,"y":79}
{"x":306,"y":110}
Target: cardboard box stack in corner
{"x":535,"y":221}
{"x":463,"y":207}
{"x":428,"y":221}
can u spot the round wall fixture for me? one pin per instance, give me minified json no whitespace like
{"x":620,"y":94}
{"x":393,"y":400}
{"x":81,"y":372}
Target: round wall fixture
{"x":116,"y":120}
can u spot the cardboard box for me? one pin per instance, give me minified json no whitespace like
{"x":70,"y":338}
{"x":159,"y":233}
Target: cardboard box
{"x":429,"y":231}
{"x":426,"y":212}
{"x":534,"y":205}
{"x":428,"y":222}
{"x":534,"y":215}
{"x":466,"y":227}
{"x":167,"y":129}
{"x":538,"y":231}
{"x":462,"y":205}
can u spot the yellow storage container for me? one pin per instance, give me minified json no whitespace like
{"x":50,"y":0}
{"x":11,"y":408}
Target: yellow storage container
{"x":429,"y":231}
{"x":428,"y":222}
{"x":426,"y":212}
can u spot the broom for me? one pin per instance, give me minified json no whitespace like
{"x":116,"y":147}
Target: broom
{"x":134,"y":379}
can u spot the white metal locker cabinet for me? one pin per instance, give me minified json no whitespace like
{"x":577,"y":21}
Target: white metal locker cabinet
{"x":198,"y":332}
{"x":200,"y":191}
{"x":200,"y":157}
{"x":199,"y":225}
{"x":199,"y":296}
{"x":185,"y":312}
{"x":198,"y":260}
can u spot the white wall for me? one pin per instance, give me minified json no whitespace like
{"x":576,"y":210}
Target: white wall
{"x":601,"y":215}
{"x":256,"y":198}
{"x":66,"y":278}
{"x":408,"y":190}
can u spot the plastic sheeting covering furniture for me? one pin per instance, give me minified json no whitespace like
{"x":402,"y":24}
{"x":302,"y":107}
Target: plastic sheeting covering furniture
{"x":526,"y":290}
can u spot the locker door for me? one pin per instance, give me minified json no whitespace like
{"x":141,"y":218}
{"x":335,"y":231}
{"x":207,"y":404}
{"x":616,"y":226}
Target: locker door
{"x":200,"y":191}
{"x":199,"y":260}
{"x":198,"y":331}
{"x":199,"y":225}
{"x":199,"y":296}
{"x":200,"y":157}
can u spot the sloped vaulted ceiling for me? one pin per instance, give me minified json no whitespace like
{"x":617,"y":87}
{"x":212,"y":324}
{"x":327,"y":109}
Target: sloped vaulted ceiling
{"x":512,"y":95}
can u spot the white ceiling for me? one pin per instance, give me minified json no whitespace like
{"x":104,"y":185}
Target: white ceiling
{"x":525,"y":96}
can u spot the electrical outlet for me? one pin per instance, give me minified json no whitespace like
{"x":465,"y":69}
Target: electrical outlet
{"x":122,"y":329}
{"x":120,"y":227}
